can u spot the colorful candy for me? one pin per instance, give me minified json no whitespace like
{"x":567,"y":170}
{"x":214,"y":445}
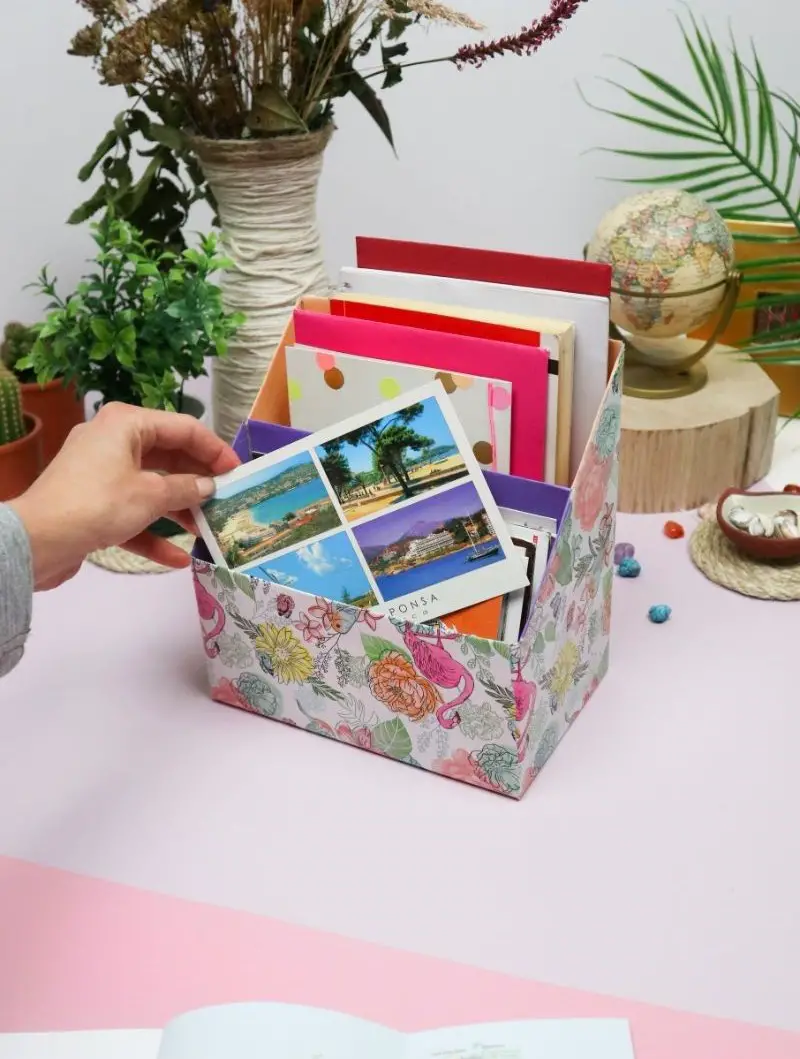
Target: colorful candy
{"x":791,"y":488}
{"x":623,"y":551}
{"x":674,"y":530}
{"x":659,"y":613}
{"x":629,"y":568}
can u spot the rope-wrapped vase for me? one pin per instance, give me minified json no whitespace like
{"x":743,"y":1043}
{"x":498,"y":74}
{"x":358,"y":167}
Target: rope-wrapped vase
{"x":266,"y":192}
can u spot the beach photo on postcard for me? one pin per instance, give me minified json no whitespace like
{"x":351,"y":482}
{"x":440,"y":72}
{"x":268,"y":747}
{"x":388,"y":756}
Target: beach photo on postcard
{"x":392,"y":459}
{"x":329,"y":568}
{"x":269,"y":510}
{"x":438,"y":538}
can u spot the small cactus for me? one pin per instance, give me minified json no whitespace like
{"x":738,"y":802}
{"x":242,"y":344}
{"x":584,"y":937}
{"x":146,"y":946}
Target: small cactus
{"x":12,"y":423}
{"x":18,"y":341}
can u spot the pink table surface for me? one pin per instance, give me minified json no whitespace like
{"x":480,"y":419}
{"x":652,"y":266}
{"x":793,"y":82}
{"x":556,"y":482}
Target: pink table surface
{"x":84,"y":953}
{"x":657,"y":858}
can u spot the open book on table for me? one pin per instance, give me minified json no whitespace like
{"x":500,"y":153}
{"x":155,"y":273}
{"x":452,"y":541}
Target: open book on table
{"x":286,"y":1031}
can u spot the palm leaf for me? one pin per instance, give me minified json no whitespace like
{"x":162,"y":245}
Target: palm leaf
{"x":754,"y":218}
{"x":757,"y":237}
{"x":665,"y":156}
{"x":732,"y":121}
{"x":670,"y":90}
{"x":770,"y":277}
{"x":771,"y":301}
{"x":754,"y":265}
{"x":680,"y":178}
{"x":744,"y":98}
{"x":788,"y":332}
{"x":767,"y":125}
{"x":734,"y":193}
{"x":654,"y":126}
{"x":659,"y":108}
{"x":764,"y":355}
{"x":723,"y":87}
{"x":700,"y":70}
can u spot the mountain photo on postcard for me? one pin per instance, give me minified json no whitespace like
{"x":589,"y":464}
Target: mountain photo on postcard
{"x":424,"y":544}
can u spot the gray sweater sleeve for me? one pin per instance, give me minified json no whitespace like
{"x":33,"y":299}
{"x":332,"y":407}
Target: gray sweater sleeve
{"x":16,"y":589}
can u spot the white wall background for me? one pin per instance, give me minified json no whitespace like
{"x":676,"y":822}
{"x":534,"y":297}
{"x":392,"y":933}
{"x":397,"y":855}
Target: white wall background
{"x":492,"y":157}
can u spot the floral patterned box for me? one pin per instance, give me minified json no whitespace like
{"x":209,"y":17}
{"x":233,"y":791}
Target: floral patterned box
{"x":487,"y":713}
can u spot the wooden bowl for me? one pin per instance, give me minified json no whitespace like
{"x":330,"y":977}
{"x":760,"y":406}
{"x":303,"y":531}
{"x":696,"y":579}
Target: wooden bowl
{"x":768,"y":504}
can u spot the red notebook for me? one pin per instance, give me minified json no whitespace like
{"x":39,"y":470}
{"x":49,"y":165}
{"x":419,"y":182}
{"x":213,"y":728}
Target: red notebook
{"x":450,"y":325}
{"x":484,"y":266}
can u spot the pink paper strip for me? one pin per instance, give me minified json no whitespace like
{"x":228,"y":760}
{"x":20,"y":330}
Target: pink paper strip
{"x":78,"y":953}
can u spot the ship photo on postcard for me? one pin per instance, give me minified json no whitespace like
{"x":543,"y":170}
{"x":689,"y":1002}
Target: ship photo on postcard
{"x":392,"y":459}
{"x":269,"y":510}
{"x":426,"y":553}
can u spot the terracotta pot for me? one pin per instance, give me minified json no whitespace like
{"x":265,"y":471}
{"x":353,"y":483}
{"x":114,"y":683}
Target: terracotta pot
{"x":21,"y":461}
{"x":59,"y":408}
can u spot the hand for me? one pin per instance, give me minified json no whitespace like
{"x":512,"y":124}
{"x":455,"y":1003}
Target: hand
{"x":103,"y":489}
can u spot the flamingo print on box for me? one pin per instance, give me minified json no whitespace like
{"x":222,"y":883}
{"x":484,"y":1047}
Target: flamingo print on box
{"x":480,"y":711}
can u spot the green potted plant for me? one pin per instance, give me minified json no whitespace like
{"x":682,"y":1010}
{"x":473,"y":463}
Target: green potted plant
{"x":57,"y":403}
{"x":20,"y":440}
{"x":139,"y":325}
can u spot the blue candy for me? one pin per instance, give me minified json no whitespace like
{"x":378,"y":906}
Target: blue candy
{"x":629,"y":568}
{"x":659,"y":613}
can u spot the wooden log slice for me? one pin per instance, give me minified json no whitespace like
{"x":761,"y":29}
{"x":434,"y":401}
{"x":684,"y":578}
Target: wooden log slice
{"x":681,"y":452}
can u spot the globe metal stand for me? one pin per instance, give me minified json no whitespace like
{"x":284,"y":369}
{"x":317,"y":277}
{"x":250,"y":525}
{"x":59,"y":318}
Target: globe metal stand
{"x":656,"y":371}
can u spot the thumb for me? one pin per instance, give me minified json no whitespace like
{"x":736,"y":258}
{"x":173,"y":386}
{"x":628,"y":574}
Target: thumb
{"x":182,"y":491}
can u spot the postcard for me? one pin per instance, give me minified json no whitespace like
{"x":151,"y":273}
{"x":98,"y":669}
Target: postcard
{"x":387,"y":509}
{"x":532,"y":536}
{"x":328,"y":567}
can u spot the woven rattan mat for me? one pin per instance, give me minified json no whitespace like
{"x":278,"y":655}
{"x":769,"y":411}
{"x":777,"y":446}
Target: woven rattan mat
{"x":714,"y":555}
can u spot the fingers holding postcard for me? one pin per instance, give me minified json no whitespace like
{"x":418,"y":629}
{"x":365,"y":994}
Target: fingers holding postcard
{"x":388,"y":509}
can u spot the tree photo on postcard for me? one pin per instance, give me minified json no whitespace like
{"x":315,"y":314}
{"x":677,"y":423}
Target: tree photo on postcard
{"x":391,"y":460}
{"x":271,"y":509}
{"x":434,"y":540}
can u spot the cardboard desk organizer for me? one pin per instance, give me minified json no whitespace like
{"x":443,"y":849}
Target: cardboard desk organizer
{"x":360,"y":678}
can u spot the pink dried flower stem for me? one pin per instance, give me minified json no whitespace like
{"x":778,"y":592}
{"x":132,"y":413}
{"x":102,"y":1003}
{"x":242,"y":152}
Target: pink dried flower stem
{"x":526,"y":42}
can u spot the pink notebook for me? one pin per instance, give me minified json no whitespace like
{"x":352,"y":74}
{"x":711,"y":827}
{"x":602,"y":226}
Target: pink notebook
{"x":525,"y":367}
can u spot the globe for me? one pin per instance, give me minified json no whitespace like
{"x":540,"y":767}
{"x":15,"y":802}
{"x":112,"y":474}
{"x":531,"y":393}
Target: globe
{"x":671,"y":256}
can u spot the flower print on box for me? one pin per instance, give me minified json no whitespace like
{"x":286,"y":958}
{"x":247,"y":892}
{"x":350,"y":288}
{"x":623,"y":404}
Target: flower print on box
{"x":482,"y":712}
{"x":282,"y":655}
{"x":591,"y":486}
{"x":565,"y":648}
{"x":234,"y":650}
{"x":394,"y":682}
